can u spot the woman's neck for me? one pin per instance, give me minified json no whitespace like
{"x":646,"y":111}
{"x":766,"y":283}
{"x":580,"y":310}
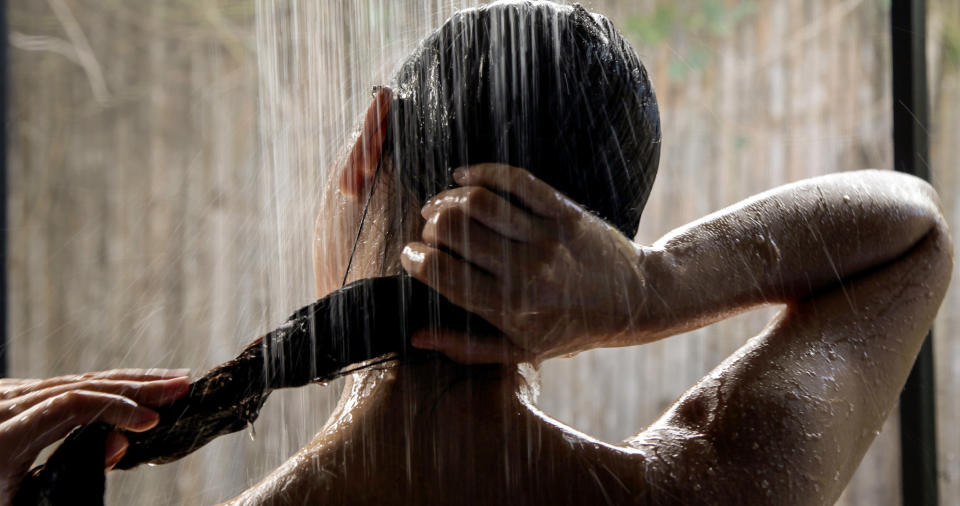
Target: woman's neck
{"x":436,"y":386}
{"x":428,"y":403}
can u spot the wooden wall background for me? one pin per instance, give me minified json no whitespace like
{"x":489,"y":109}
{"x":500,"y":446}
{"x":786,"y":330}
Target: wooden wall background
{"x":166,"y":159}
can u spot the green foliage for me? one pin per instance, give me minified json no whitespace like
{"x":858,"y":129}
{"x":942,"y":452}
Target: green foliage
{"x":655,"y":28}
{"x":951,"y":45}
{"x":694,"y":60}
{"x":741,"y":143}
{"x":700,"y":21}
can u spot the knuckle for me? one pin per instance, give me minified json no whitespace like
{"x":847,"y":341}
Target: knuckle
{"x":476,"y":199}
{"x":82,"y":386}
{"x":523,"y":225}
{"x":449,"y":219}
{"x":519,"y":178}
{"x":430,"y":258}
{"x":429,"y":233}
{"x":67,"y":401}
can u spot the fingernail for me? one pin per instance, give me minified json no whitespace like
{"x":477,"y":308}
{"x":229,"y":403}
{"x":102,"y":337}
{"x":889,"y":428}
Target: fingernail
{"x":144,"y":419}
{"x":116,"y":447}
{"x":423,"y":340}
{"x":174,"y":389}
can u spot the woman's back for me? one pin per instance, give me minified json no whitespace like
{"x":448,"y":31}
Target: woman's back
{"x":474,"y":439}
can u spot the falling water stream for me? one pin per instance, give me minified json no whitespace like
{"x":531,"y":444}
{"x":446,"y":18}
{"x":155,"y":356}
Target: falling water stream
{"x":182,"y":225}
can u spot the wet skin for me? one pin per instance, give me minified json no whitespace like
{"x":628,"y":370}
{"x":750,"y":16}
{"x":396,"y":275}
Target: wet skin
{"x":860,"y":262}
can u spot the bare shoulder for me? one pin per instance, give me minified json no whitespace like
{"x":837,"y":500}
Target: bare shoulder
{"x":310,"y":476}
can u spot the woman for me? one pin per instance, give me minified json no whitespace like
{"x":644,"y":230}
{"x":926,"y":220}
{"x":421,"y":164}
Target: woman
{"x":552,"y":121}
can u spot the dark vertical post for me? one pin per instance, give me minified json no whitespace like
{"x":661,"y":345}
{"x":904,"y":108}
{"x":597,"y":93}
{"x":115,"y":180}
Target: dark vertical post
{"x":4,"y":121}
{"x":911,"y":150}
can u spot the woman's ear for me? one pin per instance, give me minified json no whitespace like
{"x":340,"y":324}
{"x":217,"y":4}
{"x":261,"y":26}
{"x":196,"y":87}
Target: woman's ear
{"x":361,"y":166}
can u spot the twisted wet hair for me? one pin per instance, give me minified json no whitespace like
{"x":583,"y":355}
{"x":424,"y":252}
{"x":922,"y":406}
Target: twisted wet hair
{"x":550,"y":88}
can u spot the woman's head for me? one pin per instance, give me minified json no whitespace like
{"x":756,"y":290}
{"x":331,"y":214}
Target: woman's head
{"x":550,"y":88}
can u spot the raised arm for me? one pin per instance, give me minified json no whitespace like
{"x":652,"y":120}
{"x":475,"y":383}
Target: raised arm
{"x":787,"y":419}
{"x":557,"y":280}
{"x":781,"y":246}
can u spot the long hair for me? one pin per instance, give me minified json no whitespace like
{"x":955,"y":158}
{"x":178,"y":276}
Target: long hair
{"x":553,"y":89}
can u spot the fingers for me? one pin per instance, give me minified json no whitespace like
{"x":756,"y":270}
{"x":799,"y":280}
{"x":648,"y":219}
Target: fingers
{"x":491,"y":210}
{"x":476,"y":243}
{"x":463,"y":284}
{"x":50,"y":420}
{"x":538,"y":196}
{"x":150,"y":393}
{"x":27,"y":386}
{"x":141,"y":374}
{"x":470,"y":349}
{"x":116,"y":447}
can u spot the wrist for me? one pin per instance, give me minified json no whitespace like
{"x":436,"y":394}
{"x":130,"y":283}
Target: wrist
{"x":642,"y":307}
{"x":661,"y":298}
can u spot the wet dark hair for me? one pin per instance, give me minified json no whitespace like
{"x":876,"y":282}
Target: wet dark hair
{"x":553,"y":89}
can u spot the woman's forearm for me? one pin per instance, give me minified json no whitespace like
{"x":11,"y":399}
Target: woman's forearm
{"x":781,"y":246}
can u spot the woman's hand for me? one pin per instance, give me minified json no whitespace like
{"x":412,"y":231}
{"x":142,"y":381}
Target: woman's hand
{"x":35,"y":413}
{"x":552,"y":277}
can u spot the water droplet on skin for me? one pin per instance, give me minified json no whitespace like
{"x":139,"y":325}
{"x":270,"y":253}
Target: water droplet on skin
{"x":846,"y":198}
{"x":151,"y":464}
{"x":764,"y":484}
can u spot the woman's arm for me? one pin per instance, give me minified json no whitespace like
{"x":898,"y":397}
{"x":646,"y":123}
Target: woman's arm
{"x":555,"y":279}
{"x":787,"y":419}
{"x":781,"y":246}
